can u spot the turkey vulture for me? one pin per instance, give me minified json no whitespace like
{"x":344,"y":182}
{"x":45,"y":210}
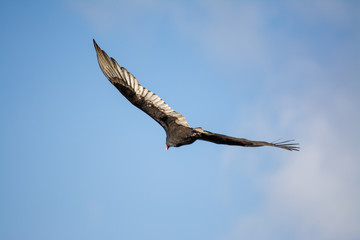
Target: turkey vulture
{"x":178,"y":131}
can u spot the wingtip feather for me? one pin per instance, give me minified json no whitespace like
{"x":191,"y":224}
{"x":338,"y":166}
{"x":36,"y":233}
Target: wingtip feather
{"x":95,"y":44}
{"x":288,"y":145}
{"x":112,"y":69}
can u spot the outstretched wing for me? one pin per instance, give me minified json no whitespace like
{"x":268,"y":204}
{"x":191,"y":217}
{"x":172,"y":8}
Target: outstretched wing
{"x":223,"y":139}
{"x":142,"y":98}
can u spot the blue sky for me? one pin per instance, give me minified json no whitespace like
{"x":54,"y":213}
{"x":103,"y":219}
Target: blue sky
{"x":78,"y":161}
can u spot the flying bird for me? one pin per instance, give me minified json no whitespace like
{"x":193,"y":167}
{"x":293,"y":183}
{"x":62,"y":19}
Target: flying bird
{"x":178,"y":131}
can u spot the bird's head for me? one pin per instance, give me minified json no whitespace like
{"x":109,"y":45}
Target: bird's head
{"x":169,"y":144}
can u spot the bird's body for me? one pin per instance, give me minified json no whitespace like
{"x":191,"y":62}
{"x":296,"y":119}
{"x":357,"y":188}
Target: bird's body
{"x":178,"y":131}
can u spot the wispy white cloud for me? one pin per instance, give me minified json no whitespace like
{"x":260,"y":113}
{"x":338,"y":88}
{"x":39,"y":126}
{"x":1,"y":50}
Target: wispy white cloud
{"x":100,"y":15}
{"x":119,"y":16}
{"x":315,"y":194}
{"x":225,"y":30}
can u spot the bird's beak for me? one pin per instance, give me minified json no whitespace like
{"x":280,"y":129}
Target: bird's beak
{"x":167,"y":147}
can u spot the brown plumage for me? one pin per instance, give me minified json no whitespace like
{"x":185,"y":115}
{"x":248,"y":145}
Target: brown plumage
{"x":178,"y":131}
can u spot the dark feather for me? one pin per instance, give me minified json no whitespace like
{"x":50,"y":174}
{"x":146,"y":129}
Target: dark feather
{"x":142,"y":98}
{"x":223,"y":139}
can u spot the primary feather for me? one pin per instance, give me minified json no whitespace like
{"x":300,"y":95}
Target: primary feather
{"x":141,"y":97}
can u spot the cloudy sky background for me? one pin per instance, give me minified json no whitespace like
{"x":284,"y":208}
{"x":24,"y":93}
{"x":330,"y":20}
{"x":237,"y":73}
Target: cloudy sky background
{"x":77,"y":161}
